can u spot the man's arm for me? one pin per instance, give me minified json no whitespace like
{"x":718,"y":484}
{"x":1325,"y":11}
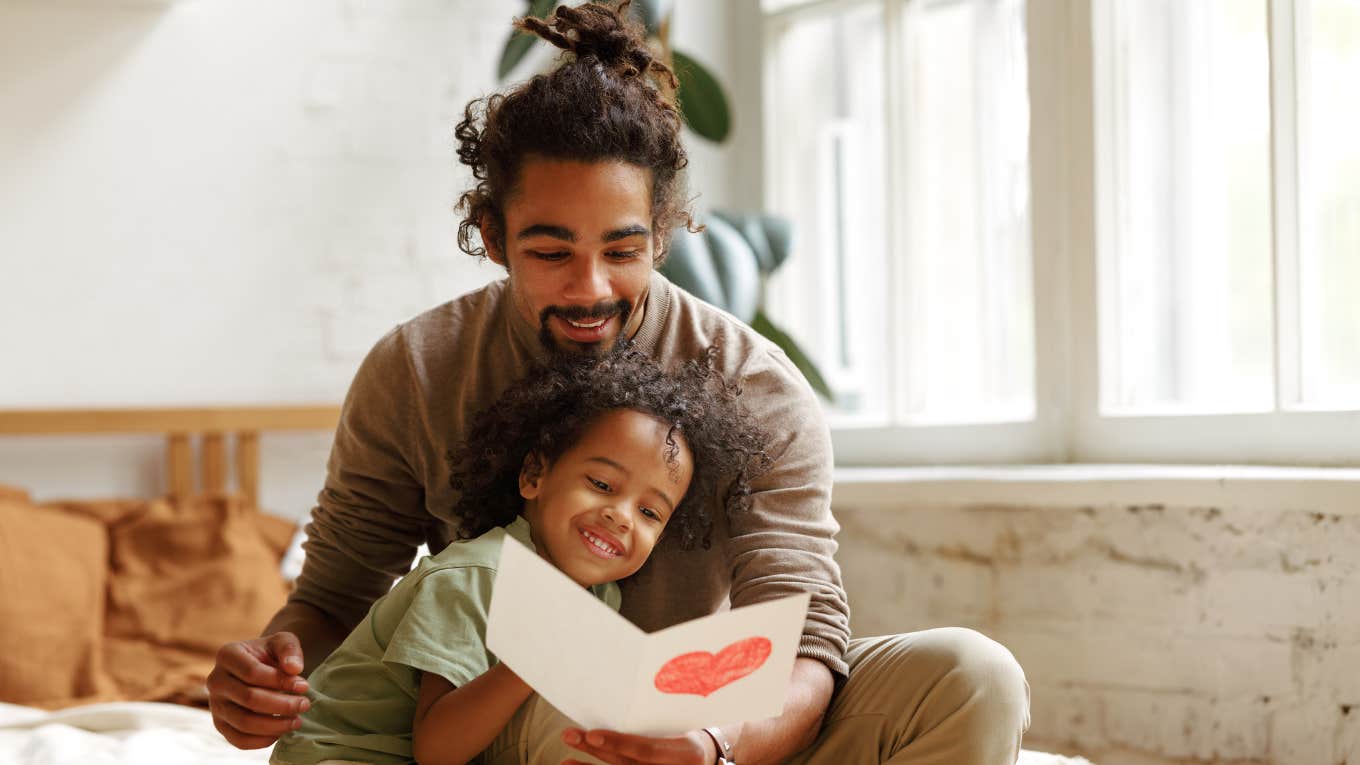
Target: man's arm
{"x":364,"y":531}
{"x":775,"y":739}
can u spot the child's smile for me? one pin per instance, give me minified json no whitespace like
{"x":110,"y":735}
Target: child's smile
{"x":598,"y":510}
{"x":601,"y":543}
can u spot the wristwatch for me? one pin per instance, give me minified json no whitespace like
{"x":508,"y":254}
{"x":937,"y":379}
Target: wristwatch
{"x":724,"y":748}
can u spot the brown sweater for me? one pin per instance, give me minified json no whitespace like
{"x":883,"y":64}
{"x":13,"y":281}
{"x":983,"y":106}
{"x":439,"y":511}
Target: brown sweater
{"x":387,"y":485}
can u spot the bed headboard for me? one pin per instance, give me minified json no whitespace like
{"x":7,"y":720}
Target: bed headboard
{"x":211,"y":427}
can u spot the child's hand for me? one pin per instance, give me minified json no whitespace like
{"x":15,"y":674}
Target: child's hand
{"x":692,"y":748}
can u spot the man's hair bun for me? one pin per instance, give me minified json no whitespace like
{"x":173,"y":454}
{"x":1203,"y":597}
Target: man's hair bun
{"x":602,"y":32}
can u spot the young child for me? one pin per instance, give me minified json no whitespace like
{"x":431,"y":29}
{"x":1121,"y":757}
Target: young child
{"x":589,"y":461}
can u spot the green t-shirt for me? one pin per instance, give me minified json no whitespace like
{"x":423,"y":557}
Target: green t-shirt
{"x":434,"y":620}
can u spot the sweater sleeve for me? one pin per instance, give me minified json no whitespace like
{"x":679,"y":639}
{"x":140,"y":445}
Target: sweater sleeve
{"x":370,"y":516}
{"x":785,"y":543}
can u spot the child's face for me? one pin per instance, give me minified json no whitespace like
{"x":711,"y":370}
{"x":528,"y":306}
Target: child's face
{"x":598,"y":510}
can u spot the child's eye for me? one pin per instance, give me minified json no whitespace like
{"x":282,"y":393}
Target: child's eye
{"x":650,"y":513}
{"x":601,"y":485}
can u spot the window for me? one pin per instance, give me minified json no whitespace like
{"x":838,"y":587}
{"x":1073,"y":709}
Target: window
{"x":1106,"y":230}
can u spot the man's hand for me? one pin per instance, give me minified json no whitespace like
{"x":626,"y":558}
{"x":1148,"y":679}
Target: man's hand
{"x":255,"y":690}
{"x":693,"y":748}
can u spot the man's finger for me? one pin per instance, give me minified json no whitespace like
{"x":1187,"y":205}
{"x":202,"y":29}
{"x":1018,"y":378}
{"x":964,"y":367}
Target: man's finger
{"x":249,"y":724}
{"x":240,"y":740}
{"x":252,"y":668}
{"x":604,"y":746}
{"x":287,"y":651}
{"x":260,"y":700}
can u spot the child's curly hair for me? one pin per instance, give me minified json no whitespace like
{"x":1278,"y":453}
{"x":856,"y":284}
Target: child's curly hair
{"x":549,"y":409}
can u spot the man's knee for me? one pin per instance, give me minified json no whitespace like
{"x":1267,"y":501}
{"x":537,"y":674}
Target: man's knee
{"x":980,"y":670}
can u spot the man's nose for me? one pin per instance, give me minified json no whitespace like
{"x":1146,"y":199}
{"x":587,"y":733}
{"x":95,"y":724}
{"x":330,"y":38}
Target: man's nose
{"x":588,"y":281}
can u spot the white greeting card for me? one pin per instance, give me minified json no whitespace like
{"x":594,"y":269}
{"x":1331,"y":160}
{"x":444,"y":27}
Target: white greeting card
{"x":603,"y":672}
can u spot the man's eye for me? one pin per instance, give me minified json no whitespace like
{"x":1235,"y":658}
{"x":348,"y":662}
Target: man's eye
{"x":622,"y":254}
{"x":601,"y":485}
{"x":557,"y":255}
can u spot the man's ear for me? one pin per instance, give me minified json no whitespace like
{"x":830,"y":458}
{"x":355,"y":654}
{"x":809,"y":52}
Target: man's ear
{"x":491,"y":240}
{"x":531,"y":475}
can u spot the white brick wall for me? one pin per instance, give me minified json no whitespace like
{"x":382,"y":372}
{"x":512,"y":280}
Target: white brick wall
{"x":1151,"y":634}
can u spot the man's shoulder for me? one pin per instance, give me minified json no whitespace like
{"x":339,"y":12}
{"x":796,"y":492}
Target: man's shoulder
{"x":468,"y":314}
{"x":435,"y":344}
{"x":693,"y":325}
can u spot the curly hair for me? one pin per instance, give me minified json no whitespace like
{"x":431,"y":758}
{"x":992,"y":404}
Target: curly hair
{"x":549,"y":410}
{"x":598,"y":104}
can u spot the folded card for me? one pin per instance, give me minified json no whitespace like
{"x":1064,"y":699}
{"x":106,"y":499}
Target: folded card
{"x":603,"y":672}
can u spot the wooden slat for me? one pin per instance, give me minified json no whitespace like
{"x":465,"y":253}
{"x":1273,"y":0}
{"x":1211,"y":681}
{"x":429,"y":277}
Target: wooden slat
{"x":248,"y":465}
{"x":189,"y":420}
{"x":213,"y":459}
{"x":179,"y":465}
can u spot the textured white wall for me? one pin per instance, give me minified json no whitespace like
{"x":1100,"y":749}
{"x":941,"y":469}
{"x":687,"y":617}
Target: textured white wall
{"x":228,"y":201}
{"x":1151,"y":634}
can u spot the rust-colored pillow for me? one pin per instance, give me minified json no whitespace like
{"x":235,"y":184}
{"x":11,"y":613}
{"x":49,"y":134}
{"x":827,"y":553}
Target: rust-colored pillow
{"x":194,"y":574}
{"x":52,"y":581}
{"x":184,"y":578}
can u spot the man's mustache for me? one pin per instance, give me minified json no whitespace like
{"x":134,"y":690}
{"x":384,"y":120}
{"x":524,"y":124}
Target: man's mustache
{"x":584,"y":314}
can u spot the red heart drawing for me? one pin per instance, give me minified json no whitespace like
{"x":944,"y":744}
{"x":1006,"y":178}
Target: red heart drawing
{"x":702,"y":673}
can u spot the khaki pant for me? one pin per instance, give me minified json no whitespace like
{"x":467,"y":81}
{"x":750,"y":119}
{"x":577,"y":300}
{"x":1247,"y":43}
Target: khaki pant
{"x":937,"y":696}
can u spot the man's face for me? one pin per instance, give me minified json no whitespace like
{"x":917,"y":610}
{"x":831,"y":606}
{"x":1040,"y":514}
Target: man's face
{"x":579,"y":248}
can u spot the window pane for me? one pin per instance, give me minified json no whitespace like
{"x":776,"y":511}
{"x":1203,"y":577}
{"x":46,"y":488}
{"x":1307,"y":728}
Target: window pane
{"x":968,"y":339}
{"x":1329,"y":210}
{"x":825,"y":126}
{"x":1186,"y":304}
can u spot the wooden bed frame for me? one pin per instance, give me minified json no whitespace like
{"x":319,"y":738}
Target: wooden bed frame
{"x":210,"y":426}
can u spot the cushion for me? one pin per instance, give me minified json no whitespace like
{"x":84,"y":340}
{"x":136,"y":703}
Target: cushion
{"x":196,"y":575}
{"x":184,"y":578}
{"x":52,"y":583}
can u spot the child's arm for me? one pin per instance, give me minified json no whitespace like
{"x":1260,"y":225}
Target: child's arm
{"x":454,"y":724}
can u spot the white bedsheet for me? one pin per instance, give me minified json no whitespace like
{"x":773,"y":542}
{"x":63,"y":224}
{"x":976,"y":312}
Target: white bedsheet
{"x":142,"y":733}
{"x":131,"y":733}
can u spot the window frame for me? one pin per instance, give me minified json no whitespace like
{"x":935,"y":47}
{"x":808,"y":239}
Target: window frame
{"x":1068,"y":235}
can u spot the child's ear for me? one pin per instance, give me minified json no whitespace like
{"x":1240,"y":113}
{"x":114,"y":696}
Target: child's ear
{"x":531,"y":475}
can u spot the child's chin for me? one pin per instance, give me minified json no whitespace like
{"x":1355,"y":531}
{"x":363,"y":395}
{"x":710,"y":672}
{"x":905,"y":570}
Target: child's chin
{"x":597,"y":577}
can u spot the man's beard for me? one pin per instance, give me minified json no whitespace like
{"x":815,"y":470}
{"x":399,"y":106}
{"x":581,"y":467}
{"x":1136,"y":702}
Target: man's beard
{"x":580,"y":314}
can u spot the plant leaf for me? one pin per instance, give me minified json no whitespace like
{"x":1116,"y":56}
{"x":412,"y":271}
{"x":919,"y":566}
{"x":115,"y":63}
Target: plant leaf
{"x":520,"y":43}
{"x":702,"y":101}
{"x":762,"y":324}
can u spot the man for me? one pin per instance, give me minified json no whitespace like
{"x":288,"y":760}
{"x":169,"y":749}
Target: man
{"x":579,"y":184}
